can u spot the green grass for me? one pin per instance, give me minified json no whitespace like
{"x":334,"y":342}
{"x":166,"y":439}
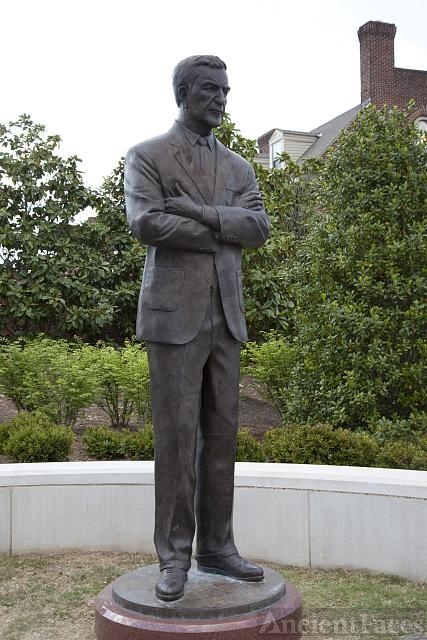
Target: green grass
{"x":51,"y":597}
{"x":360,"y":605}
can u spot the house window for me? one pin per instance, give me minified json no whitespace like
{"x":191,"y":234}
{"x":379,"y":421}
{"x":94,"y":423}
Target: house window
{"x":276,"y":150}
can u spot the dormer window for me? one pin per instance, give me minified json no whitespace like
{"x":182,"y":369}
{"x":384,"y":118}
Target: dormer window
{"x":276,"y":150}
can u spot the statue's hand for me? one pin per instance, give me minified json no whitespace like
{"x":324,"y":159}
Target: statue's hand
{"x":183,"y":205}
{"x":250,"y":200}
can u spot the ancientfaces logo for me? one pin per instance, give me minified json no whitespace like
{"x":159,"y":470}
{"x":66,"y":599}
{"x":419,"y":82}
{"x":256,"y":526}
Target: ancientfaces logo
{"x":347,"y":625}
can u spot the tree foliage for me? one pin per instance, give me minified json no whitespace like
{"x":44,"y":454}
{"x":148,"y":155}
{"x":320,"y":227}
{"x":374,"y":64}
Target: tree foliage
{"x":360,"y":283}
{"x":289,"y":199}
{"x":231,"y":137}
{"x":58,"y":277}
{"x":123,"y":253}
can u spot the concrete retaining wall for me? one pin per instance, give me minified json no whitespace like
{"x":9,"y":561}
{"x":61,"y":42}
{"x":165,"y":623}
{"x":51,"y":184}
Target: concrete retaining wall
{"x":304,"y":515}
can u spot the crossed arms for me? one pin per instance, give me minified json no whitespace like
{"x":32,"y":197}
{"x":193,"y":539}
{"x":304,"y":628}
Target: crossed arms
{"x":183,"y":205}
{"x":179,"y":222}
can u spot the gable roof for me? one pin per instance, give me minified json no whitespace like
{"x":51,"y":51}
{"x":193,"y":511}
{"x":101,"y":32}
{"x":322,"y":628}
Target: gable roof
{"x":329,"y":131}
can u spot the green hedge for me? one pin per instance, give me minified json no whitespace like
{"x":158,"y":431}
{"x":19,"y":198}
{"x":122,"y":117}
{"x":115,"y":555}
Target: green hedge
{"x":33,"y":437}
{"x":105,"y":443}
{"x":249,"y":449}
{"x":139,"y":445}
{"x":399,"y":454}
{"x":320,"y":444}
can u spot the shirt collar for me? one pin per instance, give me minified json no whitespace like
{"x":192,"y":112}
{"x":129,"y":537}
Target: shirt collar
{"x":192,"y":137}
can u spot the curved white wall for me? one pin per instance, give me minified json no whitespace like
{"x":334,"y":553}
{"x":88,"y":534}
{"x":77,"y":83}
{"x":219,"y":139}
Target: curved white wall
{"x":304,"y":515}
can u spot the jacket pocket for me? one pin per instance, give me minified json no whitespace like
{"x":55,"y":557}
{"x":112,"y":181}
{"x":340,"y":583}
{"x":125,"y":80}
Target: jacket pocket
{"x":239,"y":279}
{"x":162,"y":288}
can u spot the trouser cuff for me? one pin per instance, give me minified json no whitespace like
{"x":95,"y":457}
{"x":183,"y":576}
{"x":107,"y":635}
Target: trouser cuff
{"x":175,"y":563}
{"x":224,"y":553}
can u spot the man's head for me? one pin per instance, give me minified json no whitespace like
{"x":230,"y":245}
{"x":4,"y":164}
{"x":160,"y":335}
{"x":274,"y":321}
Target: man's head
{"x":200,"y":85}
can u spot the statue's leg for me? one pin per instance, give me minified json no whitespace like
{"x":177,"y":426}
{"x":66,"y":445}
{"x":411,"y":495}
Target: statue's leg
{"x":216,"y":443}
{"x":176,"y":373}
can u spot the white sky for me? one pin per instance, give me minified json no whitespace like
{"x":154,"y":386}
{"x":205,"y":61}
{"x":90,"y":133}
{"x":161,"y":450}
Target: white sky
{"x":98,"y":73}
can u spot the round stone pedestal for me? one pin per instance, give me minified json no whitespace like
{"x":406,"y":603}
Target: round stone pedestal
{"x":213,"y":608}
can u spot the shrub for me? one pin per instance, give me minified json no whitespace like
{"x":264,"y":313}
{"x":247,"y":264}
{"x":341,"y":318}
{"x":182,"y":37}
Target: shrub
{"x":248,"y":447}
{"x":36,"y":418}
{"x":34,"y":438}
{"x":103,"y":443}
{"x":360,"y":277}
{"x":270,"y":363}
{"x":4,"y":436}
{"x":134,"y":381}
{"x":52,"y":375}
{"x":123,"y":378}
{"x":403,"y":455}
{"x":320,"y":444}
{"x":139,"y":445}
{"x":410,"y":429}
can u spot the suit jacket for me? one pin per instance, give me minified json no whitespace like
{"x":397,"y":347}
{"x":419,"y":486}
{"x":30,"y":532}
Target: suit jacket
{"x":182,"y":254}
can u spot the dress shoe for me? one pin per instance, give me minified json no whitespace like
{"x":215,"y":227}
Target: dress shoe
{"x":233,"y":566}
{"x":170,"y":585}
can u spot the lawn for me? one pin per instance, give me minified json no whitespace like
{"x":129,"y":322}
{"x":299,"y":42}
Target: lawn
{"x":51,"y":597}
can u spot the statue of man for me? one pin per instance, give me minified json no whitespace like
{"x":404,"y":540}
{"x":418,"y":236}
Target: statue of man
{"x":195,"y":204}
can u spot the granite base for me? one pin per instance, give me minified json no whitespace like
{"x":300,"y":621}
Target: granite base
{"x":213,"y":608}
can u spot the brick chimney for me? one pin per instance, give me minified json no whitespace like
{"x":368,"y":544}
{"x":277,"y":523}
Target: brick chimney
{"x":377,"y":62}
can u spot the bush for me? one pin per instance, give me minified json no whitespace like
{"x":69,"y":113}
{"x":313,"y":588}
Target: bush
{"x":103,"y":443}
{"x":410,"y":429}
{"x":248,"y":447}
{"x":124,"y":382}
{"x":403,"y":455}
{"x":52,"y":375}
{"x":270,"y":363}
{"x":139,"y":445}
{"x":61,"y":378}
{"x":4,"y":436}
{"x":34,"y":438}
{"x":360,"y":278}
{"x":320,"y":444}
{"x":36,"y":418}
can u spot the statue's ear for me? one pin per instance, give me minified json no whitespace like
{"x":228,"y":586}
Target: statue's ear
{"x":182,"y":93}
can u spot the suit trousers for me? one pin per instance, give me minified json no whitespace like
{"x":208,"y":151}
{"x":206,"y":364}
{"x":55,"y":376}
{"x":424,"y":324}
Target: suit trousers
{"x":195,"y":395}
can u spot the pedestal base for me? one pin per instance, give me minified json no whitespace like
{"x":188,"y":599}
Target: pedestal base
{"x":213,"y":608}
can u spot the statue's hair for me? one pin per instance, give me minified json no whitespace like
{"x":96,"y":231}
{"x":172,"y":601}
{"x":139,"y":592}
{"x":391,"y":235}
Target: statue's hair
{"x":185,"y":71}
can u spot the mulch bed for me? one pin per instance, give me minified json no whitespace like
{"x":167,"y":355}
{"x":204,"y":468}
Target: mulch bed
{"x":254,"y":413}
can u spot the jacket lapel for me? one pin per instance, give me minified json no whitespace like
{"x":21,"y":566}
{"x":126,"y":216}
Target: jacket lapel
{"x":181,"y":151}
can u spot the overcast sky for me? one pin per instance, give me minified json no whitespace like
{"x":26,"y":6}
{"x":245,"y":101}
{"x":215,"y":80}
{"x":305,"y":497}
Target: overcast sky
{"x":98,"y":73}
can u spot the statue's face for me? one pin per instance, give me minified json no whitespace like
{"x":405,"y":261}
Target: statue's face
{"x":206,"y":99}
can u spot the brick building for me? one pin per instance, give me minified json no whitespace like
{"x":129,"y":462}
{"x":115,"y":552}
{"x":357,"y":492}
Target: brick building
{"x":381,"y":83}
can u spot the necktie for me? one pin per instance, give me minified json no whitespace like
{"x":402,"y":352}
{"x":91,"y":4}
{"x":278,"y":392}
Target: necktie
{"x":203,"y":154}
{"x":204,"y":165}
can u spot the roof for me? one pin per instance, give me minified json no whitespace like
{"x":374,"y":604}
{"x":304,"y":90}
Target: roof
{"x":263,"y":141}
{"x":329,"y":131}
{"x":294,"y":133}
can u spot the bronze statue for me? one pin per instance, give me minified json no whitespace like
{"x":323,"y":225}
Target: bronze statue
{"x":195,"y":204}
